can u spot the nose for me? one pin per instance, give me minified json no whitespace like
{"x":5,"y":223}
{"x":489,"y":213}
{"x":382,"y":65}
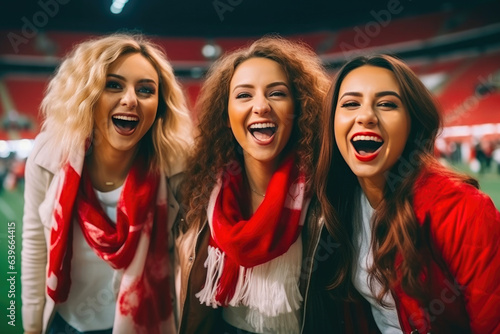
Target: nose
{"x":261,"y":105}
{"x":367,"y":117}
{"x":129,"y":98}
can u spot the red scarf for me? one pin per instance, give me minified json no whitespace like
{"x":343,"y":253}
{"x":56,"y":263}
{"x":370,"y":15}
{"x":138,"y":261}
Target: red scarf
{"x":137,"y":244}
{"x":238,"y":245}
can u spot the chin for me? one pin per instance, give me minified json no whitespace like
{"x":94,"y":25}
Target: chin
{"x":262,"y":157}
{"x":365,"y":173}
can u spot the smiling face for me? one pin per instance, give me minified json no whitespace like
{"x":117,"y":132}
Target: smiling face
{"x":371,"y":122}
{"x":127,"y":107}
{"x":261,"y":109}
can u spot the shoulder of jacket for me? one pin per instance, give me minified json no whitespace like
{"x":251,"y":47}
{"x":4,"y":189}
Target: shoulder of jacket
{"x":45,"y":153}
{"x":449,"y":202}
{"x":432,"y":187}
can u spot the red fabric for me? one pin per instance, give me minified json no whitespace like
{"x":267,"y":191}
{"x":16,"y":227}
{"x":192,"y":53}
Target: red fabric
{"x":461,"y":230}
{"x":463,"y":226}
{"x":147,"y":300}
{"x":269,"y":233}
{"x":116,"y":244}
{"x":61,"y":237}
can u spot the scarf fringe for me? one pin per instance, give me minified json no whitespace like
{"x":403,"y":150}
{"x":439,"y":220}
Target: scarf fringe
{"x":270,"y":290}
{"x":214,"y":264}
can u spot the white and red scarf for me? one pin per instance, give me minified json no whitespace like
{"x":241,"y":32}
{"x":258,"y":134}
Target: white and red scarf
{"x":137,"y":244}
{"x":256,"y":262}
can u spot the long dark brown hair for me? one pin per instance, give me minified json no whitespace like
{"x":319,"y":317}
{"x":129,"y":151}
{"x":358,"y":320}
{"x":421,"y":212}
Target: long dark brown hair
{"x":395,"y":227}
{"x":215,"y":145}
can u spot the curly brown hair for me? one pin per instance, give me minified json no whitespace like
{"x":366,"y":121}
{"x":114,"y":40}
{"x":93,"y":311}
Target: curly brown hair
{"x":215,"y":145}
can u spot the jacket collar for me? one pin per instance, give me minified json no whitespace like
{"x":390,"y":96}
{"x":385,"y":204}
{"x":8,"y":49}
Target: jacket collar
{"x":46,"y":154}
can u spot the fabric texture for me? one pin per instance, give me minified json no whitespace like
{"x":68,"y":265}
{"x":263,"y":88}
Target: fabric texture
{"x":136,"y":246}
{"x":461,"y":228}
{"x":386,"y":317}
{"x":192,"y":252}
{"x":251,"y":260}
{"x":43,"y":169}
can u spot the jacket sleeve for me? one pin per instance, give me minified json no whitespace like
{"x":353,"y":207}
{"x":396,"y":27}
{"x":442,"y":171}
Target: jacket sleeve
{"x":34,"y":250}
{"x":466,"y":228}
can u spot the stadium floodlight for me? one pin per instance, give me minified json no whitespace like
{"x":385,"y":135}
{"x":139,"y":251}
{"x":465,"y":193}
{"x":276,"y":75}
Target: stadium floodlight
{"x":117,"y":6}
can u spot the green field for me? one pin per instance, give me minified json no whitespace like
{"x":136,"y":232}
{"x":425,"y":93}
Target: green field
{"x":11,"y":208}
{"x":489,"y":182}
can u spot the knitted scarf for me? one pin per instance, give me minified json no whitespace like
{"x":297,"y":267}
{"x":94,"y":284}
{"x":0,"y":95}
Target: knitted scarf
{"x":137,"y":244}
{"x":256,"y":262}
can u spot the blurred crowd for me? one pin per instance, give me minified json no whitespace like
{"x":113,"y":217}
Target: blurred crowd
{"x":11,"y":173}
{"x":481,"y":155}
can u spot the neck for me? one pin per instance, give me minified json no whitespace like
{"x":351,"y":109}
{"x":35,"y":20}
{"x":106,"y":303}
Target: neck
{"x":258,"y":174}
{"x":373,"y":189}
{"x":108,"y":170}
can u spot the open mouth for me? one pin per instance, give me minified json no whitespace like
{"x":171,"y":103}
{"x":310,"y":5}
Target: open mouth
{"x":366,"y":145}
{"x":125,"y":124}
{"x":262,"y":131}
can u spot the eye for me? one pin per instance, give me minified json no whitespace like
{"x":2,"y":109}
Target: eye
{"x":278,"y":93}
{"x":113,"y":85}
{"x":387,"y":105}
{"x":243,"y":95}
{"x":146,"y":90}
{"x":350,"y":104}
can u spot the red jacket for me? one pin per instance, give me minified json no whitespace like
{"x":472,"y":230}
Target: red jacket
{"x":461,"y":233}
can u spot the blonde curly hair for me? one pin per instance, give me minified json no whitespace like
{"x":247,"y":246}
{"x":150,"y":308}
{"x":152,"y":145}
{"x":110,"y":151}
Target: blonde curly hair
{"x":68,"y":106}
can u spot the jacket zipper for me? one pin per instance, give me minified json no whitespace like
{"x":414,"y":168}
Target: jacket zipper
{"x":189,"y":274}
{"x":320,"y":227}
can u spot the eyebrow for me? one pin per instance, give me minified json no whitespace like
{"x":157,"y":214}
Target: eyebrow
{"x":379,"y":94}
{"x":273,"y":84}
{"x":123,"y":78}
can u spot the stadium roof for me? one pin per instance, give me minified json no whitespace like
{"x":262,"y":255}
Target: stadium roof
{"x":209,"y":18}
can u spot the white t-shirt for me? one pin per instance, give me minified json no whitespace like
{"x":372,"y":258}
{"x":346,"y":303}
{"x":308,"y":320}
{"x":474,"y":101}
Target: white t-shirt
{"x":92,"y":298}
{"x":386,"y":318}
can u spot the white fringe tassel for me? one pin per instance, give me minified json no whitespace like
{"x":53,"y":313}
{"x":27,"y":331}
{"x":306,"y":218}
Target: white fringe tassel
{"x":214,"y":264}
{"x":270,"y":290}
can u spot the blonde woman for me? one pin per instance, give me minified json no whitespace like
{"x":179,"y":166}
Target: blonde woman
{"x":100,"y":189}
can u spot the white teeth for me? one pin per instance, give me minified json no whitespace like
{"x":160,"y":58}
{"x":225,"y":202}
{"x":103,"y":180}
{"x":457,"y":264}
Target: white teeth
{"x":372,"y":138}
{"x":262,"y":125}
{"x":126,"y":118}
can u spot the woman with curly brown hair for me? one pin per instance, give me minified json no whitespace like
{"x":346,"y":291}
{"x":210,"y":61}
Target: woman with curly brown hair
{"x":248,"y":191}
{"x":418,"y":242}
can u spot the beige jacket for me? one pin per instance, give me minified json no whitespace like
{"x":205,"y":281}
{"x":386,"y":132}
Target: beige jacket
{"x":41,"y":167}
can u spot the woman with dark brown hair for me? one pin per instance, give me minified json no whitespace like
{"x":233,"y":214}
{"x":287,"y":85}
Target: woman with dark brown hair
{"x":419,"y":243}
{"x":248,"y":192}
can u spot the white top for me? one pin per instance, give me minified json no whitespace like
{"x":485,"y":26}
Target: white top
{"x":237,"y":317}
{"x":92,"y":298}
{"x":386,"y":318}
